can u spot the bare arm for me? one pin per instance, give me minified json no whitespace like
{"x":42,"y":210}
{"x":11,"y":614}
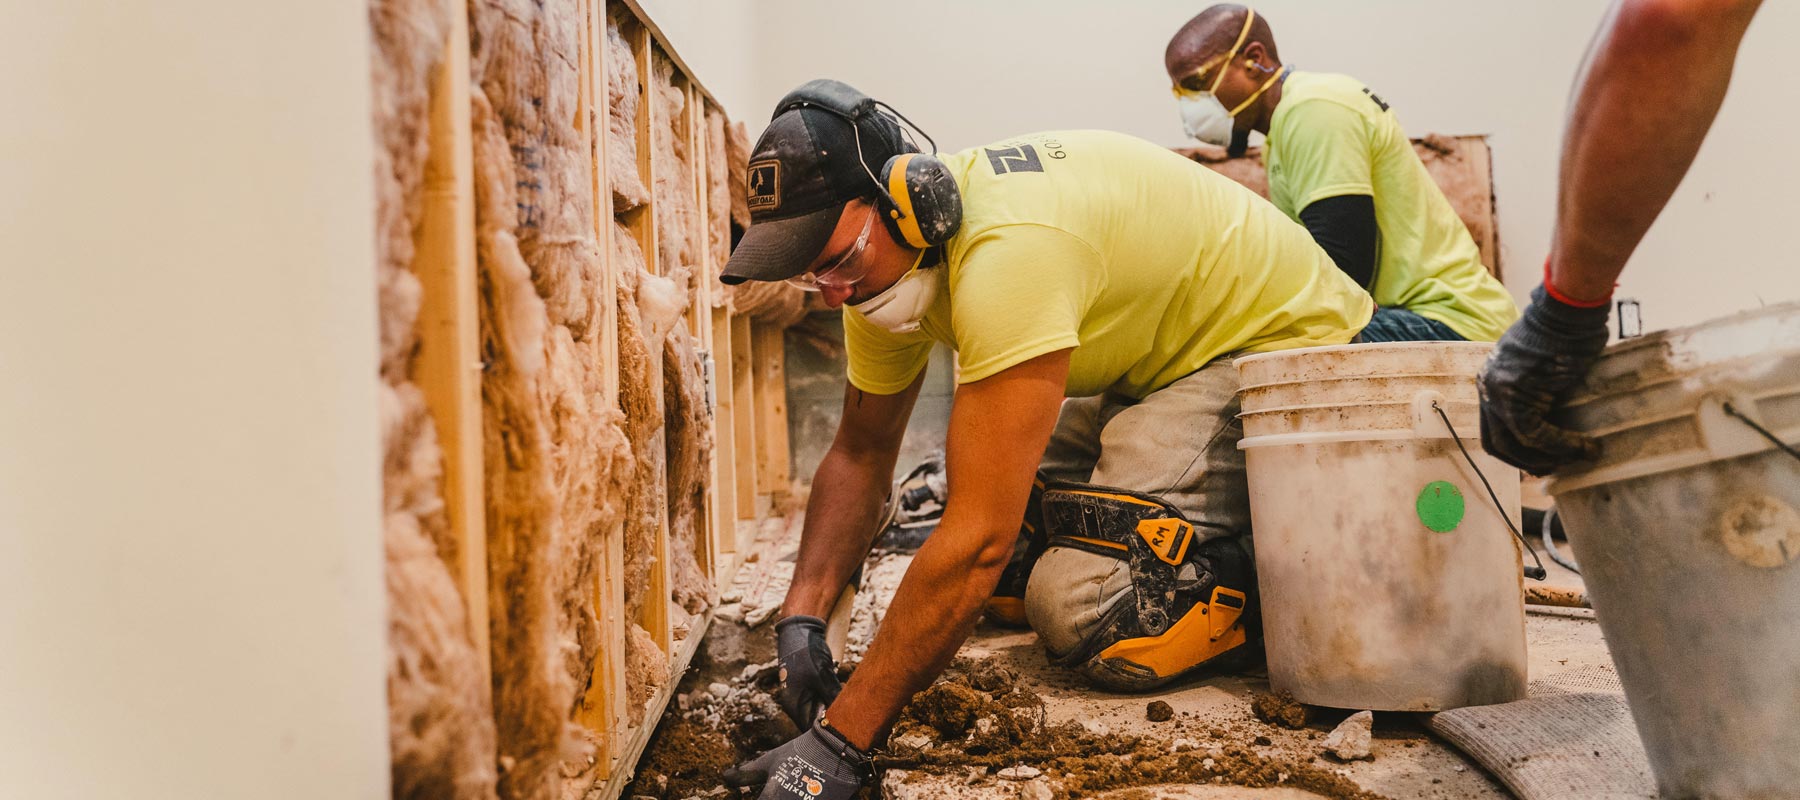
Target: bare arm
{"x":847,"y":492}
{"x":999,"y":427}
{"x":1654,"y":78}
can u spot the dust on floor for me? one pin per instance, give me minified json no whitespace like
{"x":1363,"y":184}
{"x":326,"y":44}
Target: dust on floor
{"x":1003,"y":723}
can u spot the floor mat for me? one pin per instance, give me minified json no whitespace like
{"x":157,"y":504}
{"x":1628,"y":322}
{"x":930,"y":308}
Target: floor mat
{"x":1556,"y":745}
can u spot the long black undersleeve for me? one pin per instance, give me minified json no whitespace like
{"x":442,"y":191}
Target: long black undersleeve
{"x":1345,"y":227}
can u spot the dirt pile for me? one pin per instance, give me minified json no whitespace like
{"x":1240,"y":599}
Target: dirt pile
{"x":978,"y":720}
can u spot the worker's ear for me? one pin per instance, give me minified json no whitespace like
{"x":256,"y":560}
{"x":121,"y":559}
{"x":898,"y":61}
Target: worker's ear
{"x":1255,"y":51}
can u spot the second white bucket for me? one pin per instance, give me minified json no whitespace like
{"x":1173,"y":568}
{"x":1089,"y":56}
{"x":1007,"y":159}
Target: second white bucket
{"x":1389,"y":579}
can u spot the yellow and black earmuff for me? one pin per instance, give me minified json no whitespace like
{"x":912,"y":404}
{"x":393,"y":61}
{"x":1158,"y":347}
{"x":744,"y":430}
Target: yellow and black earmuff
{"x":924,"y":207}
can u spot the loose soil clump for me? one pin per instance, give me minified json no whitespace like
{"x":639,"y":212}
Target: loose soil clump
{"x":1158,"y":711}
{"x":1279,"y":708}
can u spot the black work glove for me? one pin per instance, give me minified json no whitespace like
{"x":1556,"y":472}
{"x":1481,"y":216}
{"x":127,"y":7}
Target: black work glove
{"x":809,"y":680}
{"x":816,"y":765}
{"x":1536,"y":365}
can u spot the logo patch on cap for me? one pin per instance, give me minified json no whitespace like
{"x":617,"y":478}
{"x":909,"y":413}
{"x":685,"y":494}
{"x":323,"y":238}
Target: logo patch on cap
{"x":764,"y":185}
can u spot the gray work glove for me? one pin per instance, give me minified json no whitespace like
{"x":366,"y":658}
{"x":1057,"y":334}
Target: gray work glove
{"x":1536,"y":365}
{"x":816,"y":765}
{"x":809,"y":680}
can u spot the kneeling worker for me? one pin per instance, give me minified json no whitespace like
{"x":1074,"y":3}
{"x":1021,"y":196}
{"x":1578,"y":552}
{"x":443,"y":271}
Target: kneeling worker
{"x":1055,"y":264}
{"x":1339,"y":164}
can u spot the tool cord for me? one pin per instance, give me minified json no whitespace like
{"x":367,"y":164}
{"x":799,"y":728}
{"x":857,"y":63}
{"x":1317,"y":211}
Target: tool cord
{"x":1536,"y":573}
{"x":1550,"y":546}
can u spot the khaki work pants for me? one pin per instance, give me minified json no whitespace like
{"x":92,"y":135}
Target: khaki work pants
{"x":1179,"y":443}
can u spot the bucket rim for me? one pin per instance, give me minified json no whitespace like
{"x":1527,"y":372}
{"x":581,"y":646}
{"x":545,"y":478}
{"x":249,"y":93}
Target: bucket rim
{"x":1371,"y":346}
{"x":1345,"y":378}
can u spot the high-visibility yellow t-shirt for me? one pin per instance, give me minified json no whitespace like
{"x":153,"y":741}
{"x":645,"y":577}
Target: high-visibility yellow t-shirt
{"x":1330,"y":136}
{"x":1147,"y":264}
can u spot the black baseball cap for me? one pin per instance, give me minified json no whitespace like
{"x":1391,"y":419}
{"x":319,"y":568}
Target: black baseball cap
{"x":803,"y":171}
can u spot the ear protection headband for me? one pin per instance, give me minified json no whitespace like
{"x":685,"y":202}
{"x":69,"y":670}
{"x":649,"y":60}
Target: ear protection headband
{"x":919,"y":198}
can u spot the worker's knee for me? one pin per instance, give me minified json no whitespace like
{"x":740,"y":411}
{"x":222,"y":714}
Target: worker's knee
{"x":1068,"y":592}
{"x":1129,"y":595}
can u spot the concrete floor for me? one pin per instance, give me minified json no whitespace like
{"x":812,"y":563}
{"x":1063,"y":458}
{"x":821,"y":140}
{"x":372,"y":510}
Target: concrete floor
{"x":1566,"y":653}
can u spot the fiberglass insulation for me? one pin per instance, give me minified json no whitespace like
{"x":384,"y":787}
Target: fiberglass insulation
{"x":718,"y":200}
{"x":555,"y":456}
{"x":688,"y":425}
{"x":440,"y":730}
{"x":646,"y":667}
{"x":621,"y":122}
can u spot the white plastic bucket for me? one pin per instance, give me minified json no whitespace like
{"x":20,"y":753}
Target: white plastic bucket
{"x":1389,"y":580}
{"x":1686,"y":530}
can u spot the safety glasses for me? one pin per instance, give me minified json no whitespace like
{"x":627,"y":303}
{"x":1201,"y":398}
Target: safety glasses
{"x":843,"y":272}
{"x":1186,"y":86}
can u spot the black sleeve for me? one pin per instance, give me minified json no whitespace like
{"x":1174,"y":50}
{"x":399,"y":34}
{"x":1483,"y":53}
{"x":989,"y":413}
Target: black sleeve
{"x":1345,"y":227}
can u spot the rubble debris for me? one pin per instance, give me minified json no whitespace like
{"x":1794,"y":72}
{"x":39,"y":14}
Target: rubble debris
{"x":1158,"y":711}
{"x":1074,"y":758}
{"x":1021,"y":772}
{"x":1280,"y":709}
{"x":1352,"y":738}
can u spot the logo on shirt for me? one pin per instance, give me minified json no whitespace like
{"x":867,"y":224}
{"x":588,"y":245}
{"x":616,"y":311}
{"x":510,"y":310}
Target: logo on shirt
{"x":1023,"y":158}
{"x":764,"y":182}
{"x":1376,"y":98}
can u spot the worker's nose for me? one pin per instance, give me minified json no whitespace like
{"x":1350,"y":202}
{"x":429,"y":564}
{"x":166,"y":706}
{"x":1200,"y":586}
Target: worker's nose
{"x":835,"y":296}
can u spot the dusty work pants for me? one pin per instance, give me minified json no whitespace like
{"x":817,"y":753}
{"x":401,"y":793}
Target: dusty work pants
{"x":1179,"y":443}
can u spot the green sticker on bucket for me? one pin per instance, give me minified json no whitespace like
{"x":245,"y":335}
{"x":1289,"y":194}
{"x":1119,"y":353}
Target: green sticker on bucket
{"x":1441,"y":506}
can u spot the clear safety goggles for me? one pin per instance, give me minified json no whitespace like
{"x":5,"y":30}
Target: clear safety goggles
{"x":843,"y":272}
{"x":1184,"y":87}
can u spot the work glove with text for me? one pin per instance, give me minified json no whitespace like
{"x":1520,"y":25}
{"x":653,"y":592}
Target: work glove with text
{"x":809,"y":680}
{"x":816,"y":765}
{"x":1535,"y":366}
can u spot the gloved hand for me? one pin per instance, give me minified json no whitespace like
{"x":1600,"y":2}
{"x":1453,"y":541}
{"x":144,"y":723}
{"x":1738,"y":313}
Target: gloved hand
{"x":1537,"y":364}
{"x":809,"y":680}
{"x":816,"y":765}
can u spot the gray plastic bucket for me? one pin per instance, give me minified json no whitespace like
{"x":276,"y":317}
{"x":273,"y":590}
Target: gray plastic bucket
{"x":1687,"y":531}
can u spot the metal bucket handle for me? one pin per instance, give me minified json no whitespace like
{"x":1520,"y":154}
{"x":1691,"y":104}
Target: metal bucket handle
{"x":1432,"y":404}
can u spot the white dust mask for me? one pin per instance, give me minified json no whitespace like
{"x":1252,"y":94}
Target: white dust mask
{"x":1206,"y":119}
{"x":903,"y":305}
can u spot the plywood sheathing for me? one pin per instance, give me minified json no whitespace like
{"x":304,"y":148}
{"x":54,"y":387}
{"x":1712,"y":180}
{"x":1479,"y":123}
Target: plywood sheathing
{"x":440,"y":727}
{"x":1461,"y":166}
{"x":555,"y":455}
{"x":621,"y":128}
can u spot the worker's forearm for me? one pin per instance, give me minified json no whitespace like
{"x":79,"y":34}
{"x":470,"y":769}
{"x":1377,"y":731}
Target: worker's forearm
{"x":847,"y":493}
{"x":933,"y":611}
{"x":1654,"y":78}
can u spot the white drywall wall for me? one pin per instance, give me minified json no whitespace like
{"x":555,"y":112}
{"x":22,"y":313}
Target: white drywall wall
{"x":972,"y":71}
{"x":191,"y":600}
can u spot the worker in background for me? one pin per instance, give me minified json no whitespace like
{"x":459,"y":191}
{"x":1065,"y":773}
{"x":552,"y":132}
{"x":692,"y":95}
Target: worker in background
{"x":1339,"y":163}
{"x":1653,"y":80}
{"x":1083,"y":264}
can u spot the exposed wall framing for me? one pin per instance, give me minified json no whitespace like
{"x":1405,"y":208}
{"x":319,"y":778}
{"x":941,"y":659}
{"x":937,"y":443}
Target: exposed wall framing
{"x":567,"y":460}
